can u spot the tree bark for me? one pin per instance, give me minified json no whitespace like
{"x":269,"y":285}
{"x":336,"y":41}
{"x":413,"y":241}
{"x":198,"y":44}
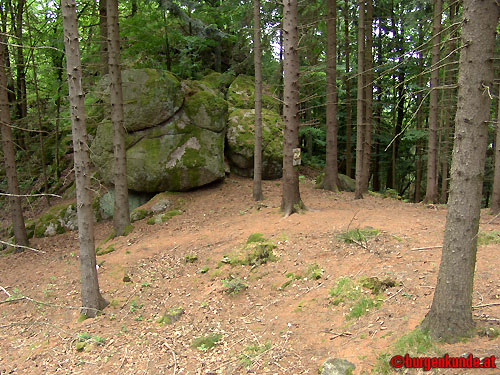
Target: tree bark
{"x":360,"y":133}
{"x":22,"y":101}
{"x":450,"y":316}
{"x":495,"y":193}
{"x":103,"y":34}
{"x":348,"y":114}
{"x":451,"y":78}
{"x":121,"y":215}
{"x":420,"y":83}
{"x":431,"y":195}
{"x":257,"y":161}
{"x":10,"y":157}
{"x":39,"y":113}
{"x":291,"y":201}
{"x":368,"y":87}
{"x":92,"y":301}
{"x":331,"y":169}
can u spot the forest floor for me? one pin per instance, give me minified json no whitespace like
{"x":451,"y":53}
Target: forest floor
{"x":273,"y":326}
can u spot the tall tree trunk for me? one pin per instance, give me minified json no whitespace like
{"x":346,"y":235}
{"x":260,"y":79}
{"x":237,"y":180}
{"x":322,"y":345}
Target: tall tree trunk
{"x":495,"y":193}
{"x":257,"y":161}
{"x":450,"y":316}
{"x":420,"y":83}
{"x":367,"y":147}
{"x":10,"y":157}
{"x":22,"y":101}
{"x":360,"y":133}
{"x":59,"y":66}
{"x":121,"y":215}
{"x":134,"y":8}
{"x":347,"y":84}
{"x":331,"y":170}
{"x":168,"y":52}
{"x":291,"y":201}
{"x":103,"y":34}
{"x":39,"y":113}
{"x":431,"y":195}
{"x":92,"y":301}
{"x":451,"y":78}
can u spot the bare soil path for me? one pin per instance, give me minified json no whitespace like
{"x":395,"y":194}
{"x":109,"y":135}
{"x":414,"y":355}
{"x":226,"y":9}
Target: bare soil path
{"x":269,"y":328}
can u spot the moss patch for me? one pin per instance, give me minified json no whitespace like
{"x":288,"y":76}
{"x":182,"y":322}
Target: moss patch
{"x":205,"y":342}
{"x":172,"y":315}
{"x":350,"y":294}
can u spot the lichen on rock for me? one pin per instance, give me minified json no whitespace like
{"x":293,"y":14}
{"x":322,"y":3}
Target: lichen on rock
{"x":240,"y":141}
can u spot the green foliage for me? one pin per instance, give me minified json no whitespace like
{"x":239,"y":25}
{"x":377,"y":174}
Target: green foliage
{"x":251,"y":352}
{"x":205,"y":343}
{"x":490,"y":332}
{"x":417,"y":343}
{"x":190,"y":258}
{"x":357,"y":235}
{"x":313,"y":272}
{"x":172,"y":315}
{"x":134,"y":305}
{"x":351,"y":294}
{"x":233,"y":285}
{"x":256,"y":237}
{"x":105,"y":251}
{"x":486,"y":238}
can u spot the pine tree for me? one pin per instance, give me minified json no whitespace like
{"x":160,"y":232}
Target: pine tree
{"x":92,"y":301}
{"x":450,"y":316}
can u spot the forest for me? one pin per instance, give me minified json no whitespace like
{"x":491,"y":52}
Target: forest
{"x":146,"y":140}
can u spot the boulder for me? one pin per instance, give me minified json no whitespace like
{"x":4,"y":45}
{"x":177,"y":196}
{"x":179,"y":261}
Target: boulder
{"x":181,"y":153}
{"x":104,"y":206}
{"x":345,"y":183}
{"x":56,"y":220}
{"x":240,"y":142}
{"x":150,"y":98}
{"x":241,"y":94}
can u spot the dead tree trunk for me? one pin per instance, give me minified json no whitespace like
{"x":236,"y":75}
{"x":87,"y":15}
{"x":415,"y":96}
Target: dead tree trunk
{"x":92,"y":301}
{"x":450,"y":316}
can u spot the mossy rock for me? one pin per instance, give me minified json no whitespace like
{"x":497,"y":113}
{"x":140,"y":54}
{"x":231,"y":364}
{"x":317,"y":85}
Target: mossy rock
{"x":179,"y":155}
{"x":172,"y":315}
{"x":150,"y":97}
{"x":345,"y":183}
{"x":241,"y":141}
{"x":104,"y":205}
{"x":56,"y":220}
{"x":207,"y":111}
{"x":241,"y":94}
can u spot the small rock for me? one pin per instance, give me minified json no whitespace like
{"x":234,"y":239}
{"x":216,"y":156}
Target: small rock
{"x":337,"y":366}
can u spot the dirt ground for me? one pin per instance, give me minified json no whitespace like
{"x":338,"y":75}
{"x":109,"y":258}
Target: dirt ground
{"x":268,"y":328}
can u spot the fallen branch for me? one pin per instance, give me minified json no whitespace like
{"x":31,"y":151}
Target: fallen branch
{"x":29,"y":195}
{"x":173,"y":355}
{"x":23,"y":247}
{"x":427,"y":248}
{"x":343,"y":334}
{"x":486,"y":305}
{"x":394,"y":295}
